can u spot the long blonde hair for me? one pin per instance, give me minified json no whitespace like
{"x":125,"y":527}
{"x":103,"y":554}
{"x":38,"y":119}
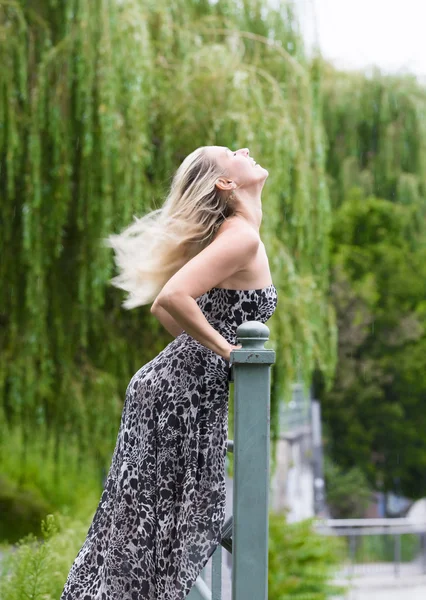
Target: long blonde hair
{"x":150,"y":250}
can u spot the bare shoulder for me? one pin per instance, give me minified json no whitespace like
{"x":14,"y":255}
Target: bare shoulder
{"x":243,"y":232}
{"x":235,"y":245}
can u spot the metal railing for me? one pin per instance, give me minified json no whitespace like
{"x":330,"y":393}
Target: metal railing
{"x":245,"y":534}
{"x":362,"y":561}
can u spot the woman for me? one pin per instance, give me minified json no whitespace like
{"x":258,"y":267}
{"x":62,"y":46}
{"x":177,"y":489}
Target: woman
{"x":201,"y":260}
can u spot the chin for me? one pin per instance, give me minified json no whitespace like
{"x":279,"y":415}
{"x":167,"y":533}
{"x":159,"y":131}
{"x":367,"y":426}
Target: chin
{"x":265,"y":172}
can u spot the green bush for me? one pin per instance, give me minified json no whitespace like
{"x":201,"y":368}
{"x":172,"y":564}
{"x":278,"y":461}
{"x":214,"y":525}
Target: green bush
{"x":302,"y":562}
{"x":36,"y":569}
{"x":43,"y":483}
{"x":381,"y":548}
{"x":23,"y":509}
{"x":348,"y":493}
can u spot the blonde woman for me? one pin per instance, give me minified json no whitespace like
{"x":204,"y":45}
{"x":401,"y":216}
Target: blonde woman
{"x":200,"y":261}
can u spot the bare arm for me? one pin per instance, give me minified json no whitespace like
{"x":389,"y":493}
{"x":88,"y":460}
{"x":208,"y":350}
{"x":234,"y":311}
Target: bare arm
{"x":231,"y":251}
{"x":166,"y":320}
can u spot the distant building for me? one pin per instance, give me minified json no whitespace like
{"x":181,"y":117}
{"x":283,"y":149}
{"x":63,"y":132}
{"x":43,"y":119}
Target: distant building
{"x":297,"y":483}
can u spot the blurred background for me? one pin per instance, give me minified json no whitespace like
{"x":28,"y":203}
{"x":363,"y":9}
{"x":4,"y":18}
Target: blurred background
{"x":100,"y":102}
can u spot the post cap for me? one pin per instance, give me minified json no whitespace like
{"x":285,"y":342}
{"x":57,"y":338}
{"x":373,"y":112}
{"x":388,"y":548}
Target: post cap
{"x":252,"y":335}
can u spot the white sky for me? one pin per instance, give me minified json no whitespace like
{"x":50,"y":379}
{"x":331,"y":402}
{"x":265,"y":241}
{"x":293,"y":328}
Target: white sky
{"x":359,"y":33}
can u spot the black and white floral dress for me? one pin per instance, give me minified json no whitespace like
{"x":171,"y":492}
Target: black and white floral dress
{"x":160,"y":515}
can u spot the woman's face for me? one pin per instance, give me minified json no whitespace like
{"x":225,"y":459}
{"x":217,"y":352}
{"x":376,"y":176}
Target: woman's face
{"x":239,"y":166}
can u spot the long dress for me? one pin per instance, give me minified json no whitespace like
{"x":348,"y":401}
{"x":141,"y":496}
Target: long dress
{"x":162,"y":509}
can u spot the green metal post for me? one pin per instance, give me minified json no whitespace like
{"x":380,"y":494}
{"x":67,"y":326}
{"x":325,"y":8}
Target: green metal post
{"x":251,"y":371}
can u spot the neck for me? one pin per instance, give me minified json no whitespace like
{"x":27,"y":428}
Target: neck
{"x":250,"y":207}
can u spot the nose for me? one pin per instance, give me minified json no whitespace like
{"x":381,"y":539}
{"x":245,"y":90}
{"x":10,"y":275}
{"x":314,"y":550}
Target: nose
{"x":245,"y":151}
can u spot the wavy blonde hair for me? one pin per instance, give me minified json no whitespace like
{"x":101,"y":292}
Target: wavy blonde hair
{"x":150,"y":250}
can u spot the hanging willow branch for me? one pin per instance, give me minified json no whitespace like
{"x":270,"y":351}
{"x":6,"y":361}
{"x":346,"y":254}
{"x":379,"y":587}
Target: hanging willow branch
{"x":376,"y":131}
{"x":100,"y":102}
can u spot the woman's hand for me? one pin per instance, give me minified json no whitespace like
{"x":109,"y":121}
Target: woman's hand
{"x":227,"y":355}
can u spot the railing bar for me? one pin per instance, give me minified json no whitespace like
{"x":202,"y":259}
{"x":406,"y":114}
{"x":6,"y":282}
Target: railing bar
{"x":352,"y":551}
{"x":370,"y":522}
{"x":397,"y":554}
{"x":226,"y":540}
{"x":202,"y":588}
{"x":368,"y":531}
{"x":423,"y":550}
{"x":217,"y":574}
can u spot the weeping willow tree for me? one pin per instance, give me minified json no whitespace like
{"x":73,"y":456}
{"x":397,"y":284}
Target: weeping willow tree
{"x":100,"y":101}
{"x":376,"y":132}
{"x":376,"y":168}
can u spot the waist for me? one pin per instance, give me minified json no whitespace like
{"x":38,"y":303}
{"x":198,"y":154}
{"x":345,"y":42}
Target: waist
{"x":228,"y":332}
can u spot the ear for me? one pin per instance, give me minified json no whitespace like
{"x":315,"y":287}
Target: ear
{"x":225,"y":184}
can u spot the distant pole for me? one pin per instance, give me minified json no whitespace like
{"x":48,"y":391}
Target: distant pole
{"x":423,"y":546}
{"x":251,"y":370}
{"x":317,"y":459}
{"x":397,"y":554}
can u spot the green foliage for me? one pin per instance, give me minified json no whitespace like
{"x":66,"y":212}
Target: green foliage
{"x":302,"y":562}
{"x":101,"y":102}
{"x":36,"y":569}
{"x":23,"y":510}
{"x":375,"y":410}
{"x":376,"y":135}
{"x":42,"y":483}
{"x":381,"y":548}
{"x":348,"y":493}
{"x":376,"y":173}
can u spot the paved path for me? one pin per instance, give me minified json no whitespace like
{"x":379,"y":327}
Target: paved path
{"x":368,"y":584}
{"x":389,"y":590}
{"x":407,"y":593}
{"x":378,"y":582}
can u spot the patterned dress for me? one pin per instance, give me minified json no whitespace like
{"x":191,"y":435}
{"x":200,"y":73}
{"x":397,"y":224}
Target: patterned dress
{"x":160,"y":515}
